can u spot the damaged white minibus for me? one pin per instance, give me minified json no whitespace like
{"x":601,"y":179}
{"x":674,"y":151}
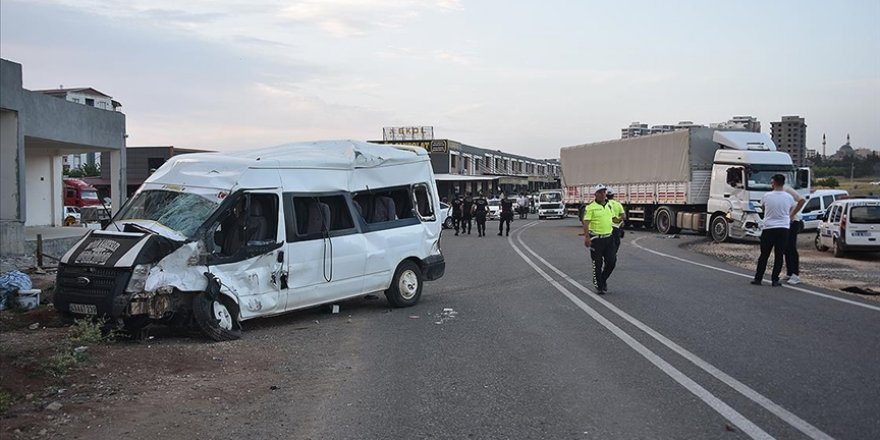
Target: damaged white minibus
{"x":213,"y":239}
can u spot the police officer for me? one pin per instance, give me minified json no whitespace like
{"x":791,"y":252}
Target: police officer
{"x":480,"y":211}
{"x":467,"y":208}
{"x":456,"y":211}
{"x":506,"y":214}
{"x":619,"y":215}
{"x":598,"y":238}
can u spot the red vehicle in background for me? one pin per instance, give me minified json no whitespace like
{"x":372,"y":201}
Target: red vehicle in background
{"x":79,"y":193}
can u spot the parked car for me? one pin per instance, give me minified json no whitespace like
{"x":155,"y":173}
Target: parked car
{"x":71,"y":215}
{"x":850,"y":225}
{"x":817,"y":204}
{"x":446,"y":212}
{"x":494,"y":209}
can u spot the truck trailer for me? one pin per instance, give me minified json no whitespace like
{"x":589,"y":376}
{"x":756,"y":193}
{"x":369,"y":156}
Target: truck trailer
{"x":699,"y":179}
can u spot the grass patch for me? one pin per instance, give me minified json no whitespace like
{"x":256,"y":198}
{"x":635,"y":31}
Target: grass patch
{"x":5,"y":401}
{"x":82,"y":333}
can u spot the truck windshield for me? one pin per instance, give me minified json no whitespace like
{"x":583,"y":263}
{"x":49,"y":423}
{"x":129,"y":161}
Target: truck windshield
{"x":182,"y":212}
{"x":759,"y":178}
{"x":90,"y":195}
{"x":551,"y":197}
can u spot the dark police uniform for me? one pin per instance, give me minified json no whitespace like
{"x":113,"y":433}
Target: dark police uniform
{"x":466,"y":215}
{"x":481,"y":209}
{"x":506,"y":215}
{"x":456,"y":212}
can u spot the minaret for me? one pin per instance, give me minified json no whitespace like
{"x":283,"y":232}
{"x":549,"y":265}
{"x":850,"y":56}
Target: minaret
{"x":823,"y":146}
{"x":847,"y":139}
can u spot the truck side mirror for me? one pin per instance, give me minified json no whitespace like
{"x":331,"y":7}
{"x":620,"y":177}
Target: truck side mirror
{"x":803,"y":178}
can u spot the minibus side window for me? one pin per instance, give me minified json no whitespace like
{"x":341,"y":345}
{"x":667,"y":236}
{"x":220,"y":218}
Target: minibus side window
{"x":384,"y":205}
{"x":317,"y":217}
{"x":424,"y":202}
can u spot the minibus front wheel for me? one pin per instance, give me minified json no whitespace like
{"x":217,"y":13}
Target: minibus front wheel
{"x":406,"y":286}
{"x":216,"y":318}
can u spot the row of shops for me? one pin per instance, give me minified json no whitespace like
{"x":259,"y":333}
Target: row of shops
{"x":465,"y":169}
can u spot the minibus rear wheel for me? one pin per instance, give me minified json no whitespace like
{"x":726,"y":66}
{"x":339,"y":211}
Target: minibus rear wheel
{"x":406,"y":286}
{"x":216,"y":318}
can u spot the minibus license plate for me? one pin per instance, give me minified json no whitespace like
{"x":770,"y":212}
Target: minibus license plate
{"x":84,"y":309}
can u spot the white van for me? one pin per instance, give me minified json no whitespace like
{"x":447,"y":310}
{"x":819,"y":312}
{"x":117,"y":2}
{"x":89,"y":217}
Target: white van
{"x":817,"y":204}
{"x":851,"y":225}
{"x":215,"y":239}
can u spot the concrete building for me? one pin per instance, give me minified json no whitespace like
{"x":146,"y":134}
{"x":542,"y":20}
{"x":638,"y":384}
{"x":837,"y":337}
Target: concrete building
{"x":790,"y":136}
{"x":744,"y":123}
{"x":635,"y":129}
{"x":140,"y":163}
{"x":461,"y":168}
{"x":36,"y":131}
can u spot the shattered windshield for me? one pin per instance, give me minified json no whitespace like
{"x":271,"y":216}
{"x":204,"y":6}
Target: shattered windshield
{"x":759,"y":178}
{"x":182,"y":212}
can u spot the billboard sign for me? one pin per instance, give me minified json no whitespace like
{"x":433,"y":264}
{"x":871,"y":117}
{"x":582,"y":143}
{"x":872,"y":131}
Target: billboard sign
{"x":423,"y":133}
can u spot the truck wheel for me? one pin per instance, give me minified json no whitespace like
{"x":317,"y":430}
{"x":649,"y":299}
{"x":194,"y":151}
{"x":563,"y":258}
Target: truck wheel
{"x":720,"y":229}
{"x":664,"y":219}
{"x":818,"y":243}
{"x":406,"y":286}
{"x":215,"y":318}
{"x":836,"y":249}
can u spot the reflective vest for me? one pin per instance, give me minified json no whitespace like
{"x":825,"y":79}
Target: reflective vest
{"x":599,"y":217}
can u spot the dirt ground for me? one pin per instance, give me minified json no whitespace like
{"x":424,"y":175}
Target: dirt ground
{"x":816,"y":268}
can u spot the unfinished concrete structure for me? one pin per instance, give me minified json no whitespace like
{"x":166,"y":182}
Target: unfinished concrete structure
{"x":36,"y":130}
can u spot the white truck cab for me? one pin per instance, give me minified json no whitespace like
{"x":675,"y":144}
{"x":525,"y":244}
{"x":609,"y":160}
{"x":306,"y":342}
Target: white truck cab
{"x":550,"y":204}
{"x":741,"y":175}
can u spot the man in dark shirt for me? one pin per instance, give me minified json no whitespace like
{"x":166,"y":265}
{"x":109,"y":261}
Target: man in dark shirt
{"x":467,"y":208}
{"x":456,"y":212}
{"x":506,"y":215}
{"x":481,"y":210}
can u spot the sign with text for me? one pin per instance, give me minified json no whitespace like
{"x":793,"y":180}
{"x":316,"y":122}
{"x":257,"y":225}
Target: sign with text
{"x":425,"y":133}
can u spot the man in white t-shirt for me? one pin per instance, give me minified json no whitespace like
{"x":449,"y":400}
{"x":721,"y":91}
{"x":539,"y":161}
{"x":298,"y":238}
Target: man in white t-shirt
{"x":779,"y":212}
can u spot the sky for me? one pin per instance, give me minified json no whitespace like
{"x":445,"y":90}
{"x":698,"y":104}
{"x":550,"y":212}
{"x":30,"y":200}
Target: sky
{"x":525,"y":77}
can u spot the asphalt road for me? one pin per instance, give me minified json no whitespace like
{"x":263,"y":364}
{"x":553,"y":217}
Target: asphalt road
{"x":677,"y":350}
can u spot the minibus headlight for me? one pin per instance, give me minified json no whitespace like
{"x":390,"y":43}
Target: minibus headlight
{"x":138,"y":278}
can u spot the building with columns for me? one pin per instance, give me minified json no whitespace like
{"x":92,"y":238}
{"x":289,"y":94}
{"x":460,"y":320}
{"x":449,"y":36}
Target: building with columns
{"x":36,"y":131}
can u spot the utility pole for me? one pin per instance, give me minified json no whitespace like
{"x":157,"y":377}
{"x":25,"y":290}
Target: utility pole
{"x":852,"y":171}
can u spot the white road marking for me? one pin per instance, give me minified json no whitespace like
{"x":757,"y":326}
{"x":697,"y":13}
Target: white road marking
{"x":799,"y":289}
{"x":715,"y":403}
{"x":745,"y":390}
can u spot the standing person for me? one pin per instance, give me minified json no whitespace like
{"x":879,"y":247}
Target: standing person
{"x":480,"y":210}
{"x":792,"y":259}
{"x":522,"y":204}
{"x":456,"y":211}
{"x":618,"y":216}
{"x":467,"y":207}
{"x":597,"y":237}
{"x":779,"y":212}
{"x":506,"y":215}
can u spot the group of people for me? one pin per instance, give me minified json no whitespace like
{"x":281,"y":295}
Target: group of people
{"x":602,"y":220}
{"x":468,"y":209}
{"x":781,"y":227}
